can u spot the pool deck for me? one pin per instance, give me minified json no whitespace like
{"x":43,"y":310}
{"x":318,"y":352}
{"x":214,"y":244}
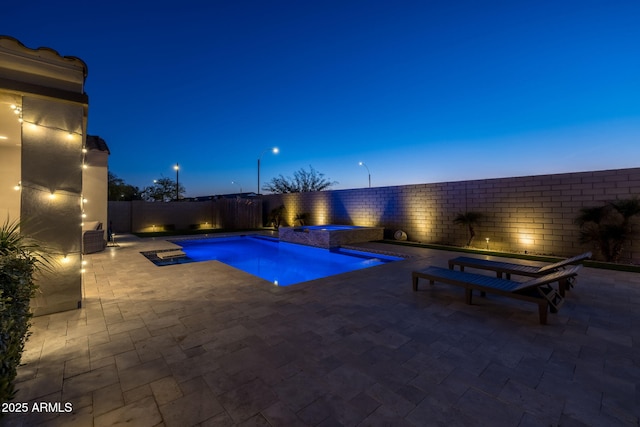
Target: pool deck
{"x":204,"y":344}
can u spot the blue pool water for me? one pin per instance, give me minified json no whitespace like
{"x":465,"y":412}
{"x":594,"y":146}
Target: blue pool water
{"x":278,"y":262}
{"x":330,"y":227}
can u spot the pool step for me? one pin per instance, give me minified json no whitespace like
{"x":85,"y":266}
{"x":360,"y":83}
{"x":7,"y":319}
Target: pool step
{"x":171,"y":254}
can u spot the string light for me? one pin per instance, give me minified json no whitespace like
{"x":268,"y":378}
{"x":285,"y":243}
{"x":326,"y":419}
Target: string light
{"x":33,"y":125}
{"x":52,"y":194}
{"x":17,"y":110}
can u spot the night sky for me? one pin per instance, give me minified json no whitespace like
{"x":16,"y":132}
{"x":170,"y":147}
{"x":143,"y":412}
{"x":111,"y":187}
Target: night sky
{"x":420,"y":91}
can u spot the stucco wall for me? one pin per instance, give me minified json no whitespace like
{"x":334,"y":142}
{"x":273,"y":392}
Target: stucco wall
{"x":48,"y":93}
{"x":531,"y":213}
{"x":51,"y":196}
{"x":95,"y":186}
{"x":10,"y":176}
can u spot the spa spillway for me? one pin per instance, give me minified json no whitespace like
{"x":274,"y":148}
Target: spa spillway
{"x":330,"y":236}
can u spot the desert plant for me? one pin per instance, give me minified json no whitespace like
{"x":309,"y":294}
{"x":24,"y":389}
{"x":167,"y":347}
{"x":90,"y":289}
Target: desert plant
{"x":302,"y":181}
{"x":301,"y":218}
{"x":276,"y":215}
{"x":20,"y":258}
{"x":608,"y":227}
{"x":469,"y":220}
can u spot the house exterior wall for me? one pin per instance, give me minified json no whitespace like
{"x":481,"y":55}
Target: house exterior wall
{"x":95,"y":186}
{"x":49,"y":89}
{"x":532,"y":213}
{"x":51,"y":197}
{"x":10,"y":166}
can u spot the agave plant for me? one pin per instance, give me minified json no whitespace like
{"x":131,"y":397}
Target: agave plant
{"x":609,"y":227}
{"x":469,"y":220}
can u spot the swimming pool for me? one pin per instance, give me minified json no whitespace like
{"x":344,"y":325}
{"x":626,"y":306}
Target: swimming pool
{"x":278,"y":262}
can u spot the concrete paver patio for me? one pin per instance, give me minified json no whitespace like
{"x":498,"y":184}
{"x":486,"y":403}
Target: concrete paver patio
{"x":208,"y":345}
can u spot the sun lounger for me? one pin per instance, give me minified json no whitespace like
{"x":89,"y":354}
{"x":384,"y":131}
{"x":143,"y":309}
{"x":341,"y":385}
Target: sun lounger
{"x":508,"y":268}
{"x":537,"y":290}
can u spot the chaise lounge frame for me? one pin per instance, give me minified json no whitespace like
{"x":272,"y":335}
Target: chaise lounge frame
{"x":537,"y":290}
{"x":508,"y":268}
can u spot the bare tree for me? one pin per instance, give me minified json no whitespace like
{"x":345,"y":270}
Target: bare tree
{"x":302,"y":181}
{"x":162,"y":190}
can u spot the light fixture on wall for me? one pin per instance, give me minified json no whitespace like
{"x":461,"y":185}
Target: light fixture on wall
{"x":17,"y":110}
{"x":18,"y":186}
{"x":487,"y":239}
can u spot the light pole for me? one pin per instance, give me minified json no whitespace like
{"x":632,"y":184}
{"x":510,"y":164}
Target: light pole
{"x":363,"y":164}
{"x":274,"y":150}
{"x":233,"y":182}
{"x":177,"y":168}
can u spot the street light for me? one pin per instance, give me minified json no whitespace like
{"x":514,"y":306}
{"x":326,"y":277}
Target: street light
{"x":177,"y":168}
{"x":233,"y":182}
{"x":362,"y":164}
{"x":274,"y":150}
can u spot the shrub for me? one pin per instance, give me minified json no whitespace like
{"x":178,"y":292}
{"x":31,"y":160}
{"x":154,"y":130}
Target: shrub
{"x":16,"y":290}
{"x":607,"y":228}
{"x":276,"y":216}
{"x":20,"y":258}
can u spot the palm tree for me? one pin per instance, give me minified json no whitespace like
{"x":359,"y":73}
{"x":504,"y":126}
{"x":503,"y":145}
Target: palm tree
{"x":469,"y":220}
{"x":276,"y":216}
{"x":609,"y":227}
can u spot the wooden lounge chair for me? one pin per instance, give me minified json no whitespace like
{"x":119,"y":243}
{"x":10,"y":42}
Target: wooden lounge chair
{"x":509,"y":268}
{"x":537,"y":290}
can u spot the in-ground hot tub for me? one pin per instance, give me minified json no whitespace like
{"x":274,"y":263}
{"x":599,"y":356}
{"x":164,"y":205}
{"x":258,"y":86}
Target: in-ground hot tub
{"x":330,"y":236}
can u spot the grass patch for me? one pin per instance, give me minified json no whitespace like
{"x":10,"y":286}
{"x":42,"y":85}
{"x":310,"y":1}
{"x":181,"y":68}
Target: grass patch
{"x":529,"y":257}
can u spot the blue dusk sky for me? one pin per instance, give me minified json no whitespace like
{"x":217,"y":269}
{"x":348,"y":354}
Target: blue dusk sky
{"x":420,"y":91}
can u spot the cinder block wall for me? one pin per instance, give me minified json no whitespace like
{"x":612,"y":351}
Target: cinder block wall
{"x":532,"y":213}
